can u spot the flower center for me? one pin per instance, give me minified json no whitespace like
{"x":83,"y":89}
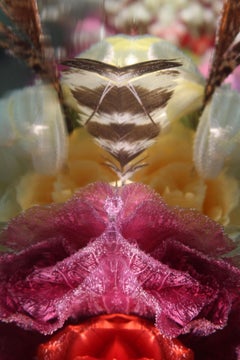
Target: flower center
{"x":113,"y":337}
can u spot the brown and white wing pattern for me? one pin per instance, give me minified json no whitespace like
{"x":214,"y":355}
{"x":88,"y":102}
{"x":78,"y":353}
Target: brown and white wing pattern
{"x":227,"y":47}
{"x":32,"y":118}
{"x":123,"y":108}
{"x":23,"y":37}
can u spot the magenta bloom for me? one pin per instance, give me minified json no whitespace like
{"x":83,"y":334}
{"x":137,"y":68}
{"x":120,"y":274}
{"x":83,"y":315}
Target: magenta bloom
{"x":118,"y":250}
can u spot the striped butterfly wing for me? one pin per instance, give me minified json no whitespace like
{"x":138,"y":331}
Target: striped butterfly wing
{"x":123,"y":108}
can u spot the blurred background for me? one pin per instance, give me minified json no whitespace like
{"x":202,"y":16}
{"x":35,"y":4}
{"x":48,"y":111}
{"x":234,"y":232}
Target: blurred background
{"x":73,"y":25}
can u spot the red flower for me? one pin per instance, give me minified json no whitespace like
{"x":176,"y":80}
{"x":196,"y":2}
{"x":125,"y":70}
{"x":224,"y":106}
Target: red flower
{"x":110,"y":337}
{"x":121,"y":250}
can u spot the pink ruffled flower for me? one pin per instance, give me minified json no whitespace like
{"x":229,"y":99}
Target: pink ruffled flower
{"x":118,"y":250}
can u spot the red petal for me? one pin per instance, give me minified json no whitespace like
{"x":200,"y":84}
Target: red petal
{"x":116,"y":336}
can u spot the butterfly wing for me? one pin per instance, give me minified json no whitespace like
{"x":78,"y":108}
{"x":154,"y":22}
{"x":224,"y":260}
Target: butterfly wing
{"x":34,"y":131}
{"x":217,"y":139}
{"x":217,"y":136}
{"x":227,"y":47}
{"x":33,"y":116}
{"x":124,"y":108}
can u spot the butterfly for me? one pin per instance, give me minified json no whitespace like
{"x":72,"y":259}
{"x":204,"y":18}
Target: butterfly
{"x":121,"y":89}
{"x":127,"y":90}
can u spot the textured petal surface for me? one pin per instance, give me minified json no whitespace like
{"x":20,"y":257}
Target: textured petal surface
{"x":147,"y":219}
{"x":77,"y":221}
{"x":119,"y":250}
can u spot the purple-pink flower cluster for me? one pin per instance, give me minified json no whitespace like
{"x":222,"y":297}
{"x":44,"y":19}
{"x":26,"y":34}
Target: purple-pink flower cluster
{"x":119,"y":250}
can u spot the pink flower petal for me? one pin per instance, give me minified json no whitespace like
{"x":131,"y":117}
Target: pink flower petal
{"x":118,"y":250}
{"x":149,"y":222}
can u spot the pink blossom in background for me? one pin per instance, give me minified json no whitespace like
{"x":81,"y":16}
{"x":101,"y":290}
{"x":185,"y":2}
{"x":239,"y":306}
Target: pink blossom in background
{"x":88,"y":32}
{"x":119,"y":250}
{"x":172,"y":33}
{"x":233,"y":79}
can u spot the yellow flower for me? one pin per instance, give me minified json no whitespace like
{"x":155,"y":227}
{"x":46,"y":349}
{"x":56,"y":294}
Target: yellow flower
{"x":170,"y":171}
{"x":84,"y":166}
